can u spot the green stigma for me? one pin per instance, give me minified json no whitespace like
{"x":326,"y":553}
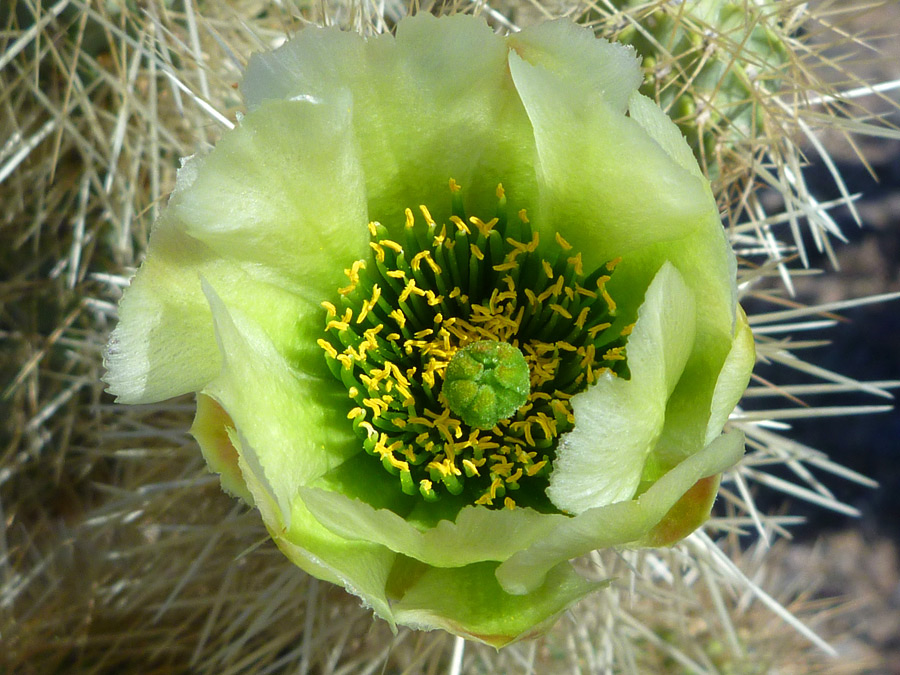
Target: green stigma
{"x":486,"y":381}
{"x":460,"y":346}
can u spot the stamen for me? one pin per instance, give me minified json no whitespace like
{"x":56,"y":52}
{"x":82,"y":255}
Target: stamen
{"x":461,"y":352}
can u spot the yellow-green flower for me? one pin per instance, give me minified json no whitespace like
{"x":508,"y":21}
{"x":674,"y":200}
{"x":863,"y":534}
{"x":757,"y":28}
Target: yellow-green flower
{"x":457,"y":307}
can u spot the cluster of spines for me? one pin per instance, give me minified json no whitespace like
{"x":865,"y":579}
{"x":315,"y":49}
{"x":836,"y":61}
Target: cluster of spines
{"x":410,"y":307}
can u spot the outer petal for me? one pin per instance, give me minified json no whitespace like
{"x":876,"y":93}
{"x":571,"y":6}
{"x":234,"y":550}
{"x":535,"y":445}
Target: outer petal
{"x":580,"y":60}
{"x":619,"y":523}
{"x":361,"y":567}
{"x":278,"y":204}
{"x":434,"y":103}
{"x":212,"y":429}
{"x":290,"y":422}
{"x":475,"y":534}
{"x":618,"y":421}
{"x":468,"y":601}
{"x":283,"y":195}
{"x":164,"y":343}
{"x":624,"y":186}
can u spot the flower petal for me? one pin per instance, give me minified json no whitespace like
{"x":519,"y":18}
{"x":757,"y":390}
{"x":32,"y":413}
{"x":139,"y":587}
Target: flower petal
{"x":620,"y":523}
{"x":605,"y":185}
{"x":290,"y":421}
{"x":164,"y":344}
{"x":733,"y":378}
{"x":434,"y":103}
{"x":363,"y":568}
{"x":580,"y":60}
{"x":468,"y":601}
{"x":211,"y":429}
{"x":283,"y":195}
{"x":355,"y":501}
{"x":618,"y":421}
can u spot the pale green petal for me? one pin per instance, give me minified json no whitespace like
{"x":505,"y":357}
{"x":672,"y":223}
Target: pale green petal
{"x":620,"y":523}
{"x":580,"y":60}
{"x":468,"y":601}
{"x":360,"y":501}
{"x":363,"y":568}
{"x":291,"y":422}
{"x":164,"y":344}
{"x":661,"y":129}
{"x":733,"y":378}
{"x":282,"y":194}
{"x":434,"y":103}
{"x":618,"y":421}
{"x":620,"y":186}
{"x":604,"y":184}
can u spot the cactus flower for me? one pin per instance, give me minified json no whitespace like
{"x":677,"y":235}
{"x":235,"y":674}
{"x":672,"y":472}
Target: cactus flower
{"x":457,"y":308}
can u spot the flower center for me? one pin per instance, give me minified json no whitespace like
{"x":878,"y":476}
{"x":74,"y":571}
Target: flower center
{"x":485,"y":382}
{"x":461,"y":348}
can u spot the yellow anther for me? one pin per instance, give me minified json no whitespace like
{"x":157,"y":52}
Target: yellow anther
{"x":391,"y":244}
{"x":500,"y":192}
{"x":356,"y":412}
{"x":411,"y":289}
{"x":532,"y":298}
{"x":427,"y":215}
{"x":396,"y":274}
{"x":343,"y":323}
{"x":373,"y":228}
{"x":611,"y":265}
{"x":439,"y":238}
{"x":582,"y":317}
{"x":505,"y":267}
{"x":370,"y":430}
{"x":509,"y":503}
{"x":484,"y":227}
{"x":392,"y":337}
{"x":523,"y":216}
{"x":476,"y":251}
{"x":399,"y":317}
{"x":536,"y":467}
{"x":614,"y":354}
{"x":576,"y":263}
{"x":460,"y":225}
{"x":559,"y":309}
{"x":345,"y":361}
{"x":593,"y":330}
{"x":327,"y":347}
{"x":585,"y":291}
{"x":454,"y":186}
{"x":410,"y":219}
{"x":470,"y":468}
{"x":329,"y":307}
{"x":353,"y":392}
{"x":379,"y":251}
{"x":627,"y":330}
{"x":425,"y":332}
{"x":566,"y":246}
{"x":548,"y":269}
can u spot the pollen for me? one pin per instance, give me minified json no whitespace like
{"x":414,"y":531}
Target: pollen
{"x":416,"y":302}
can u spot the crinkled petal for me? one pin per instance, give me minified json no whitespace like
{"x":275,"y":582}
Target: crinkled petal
{"x":434,"y":103}
{"x":624,"y":186}
{"x":363,"y":568}
{"x":468,"y":601}
{"x":360,"y":501}
{"x":164,"y":344}
{"x":620,"y":523}
{"x":618,"y":421}
{"x":581,"y":61}
{"x":291,"y":420}
{"x":283,"y":194}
